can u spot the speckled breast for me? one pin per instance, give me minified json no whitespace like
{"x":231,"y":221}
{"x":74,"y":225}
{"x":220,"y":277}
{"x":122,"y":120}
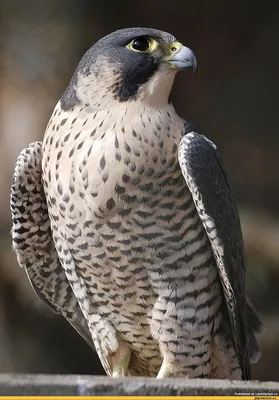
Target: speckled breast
{"x":121,"y":204}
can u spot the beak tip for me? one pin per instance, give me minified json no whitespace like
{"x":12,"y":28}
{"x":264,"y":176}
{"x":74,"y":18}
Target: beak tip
{"x":185,"y":58}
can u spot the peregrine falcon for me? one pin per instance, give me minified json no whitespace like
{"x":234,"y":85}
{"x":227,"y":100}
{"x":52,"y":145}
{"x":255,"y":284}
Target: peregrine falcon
{"x":125,"y":220}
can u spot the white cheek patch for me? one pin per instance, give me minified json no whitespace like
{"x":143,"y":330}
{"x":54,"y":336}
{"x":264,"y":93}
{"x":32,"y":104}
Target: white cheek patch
{"x":96,"y":89}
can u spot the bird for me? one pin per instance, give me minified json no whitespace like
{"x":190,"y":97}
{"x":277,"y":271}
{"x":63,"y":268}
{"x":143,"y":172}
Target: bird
{"x":126,"y":223}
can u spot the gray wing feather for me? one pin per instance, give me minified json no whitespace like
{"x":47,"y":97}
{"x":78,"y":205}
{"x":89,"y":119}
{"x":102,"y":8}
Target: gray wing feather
{"x":33,"y":243}
{"x":212,"y":193}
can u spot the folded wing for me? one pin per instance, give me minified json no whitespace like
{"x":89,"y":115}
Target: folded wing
{"x":212,"y":193}
{"x":33,"y":243}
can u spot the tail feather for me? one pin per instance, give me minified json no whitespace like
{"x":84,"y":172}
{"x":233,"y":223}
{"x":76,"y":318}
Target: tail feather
{"x":255,"y":328}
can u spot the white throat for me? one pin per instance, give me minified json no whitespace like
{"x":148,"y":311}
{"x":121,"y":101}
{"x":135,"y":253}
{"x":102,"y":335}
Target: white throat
{"x":156,"y":90}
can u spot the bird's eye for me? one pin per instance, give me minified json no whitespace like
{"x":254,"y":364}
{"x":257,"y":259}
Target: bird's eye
{"x":143,"y":44}
{"x":140,"y":44}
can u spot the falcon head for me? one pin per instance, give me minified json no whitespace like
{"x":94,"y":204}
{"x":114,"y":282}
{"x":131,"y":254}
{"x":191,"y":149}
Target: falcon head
{"x":127,"y":65}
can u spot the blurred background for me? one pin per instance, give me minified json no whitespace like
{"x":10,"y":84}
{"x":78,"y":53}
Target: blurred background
{"x":233,"y":100}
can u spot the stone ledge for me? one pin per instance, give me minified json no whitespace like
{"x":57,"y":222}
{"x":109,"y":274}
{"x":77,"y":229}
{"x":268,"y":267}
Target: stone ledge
{"x":83,"y":385}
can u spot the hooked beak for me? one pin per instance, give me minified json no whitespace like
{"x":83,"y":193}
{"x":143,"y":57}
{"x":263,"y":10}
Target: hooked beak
{"x":182,"y":57}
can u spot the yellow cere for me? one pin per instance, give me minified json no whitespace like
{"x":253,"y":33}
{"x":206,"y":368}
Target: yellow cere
{"x":172,"y":49}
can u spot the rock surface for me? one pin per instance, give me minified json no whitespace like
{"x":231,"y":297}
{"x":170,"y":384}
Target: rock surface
{"x":73,"y":385}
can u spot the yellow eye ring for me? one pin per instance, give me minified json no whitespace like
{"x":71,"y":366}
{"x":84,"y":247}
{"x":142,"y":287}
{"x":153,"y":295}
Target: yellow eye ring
{"x":142,"y":44}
